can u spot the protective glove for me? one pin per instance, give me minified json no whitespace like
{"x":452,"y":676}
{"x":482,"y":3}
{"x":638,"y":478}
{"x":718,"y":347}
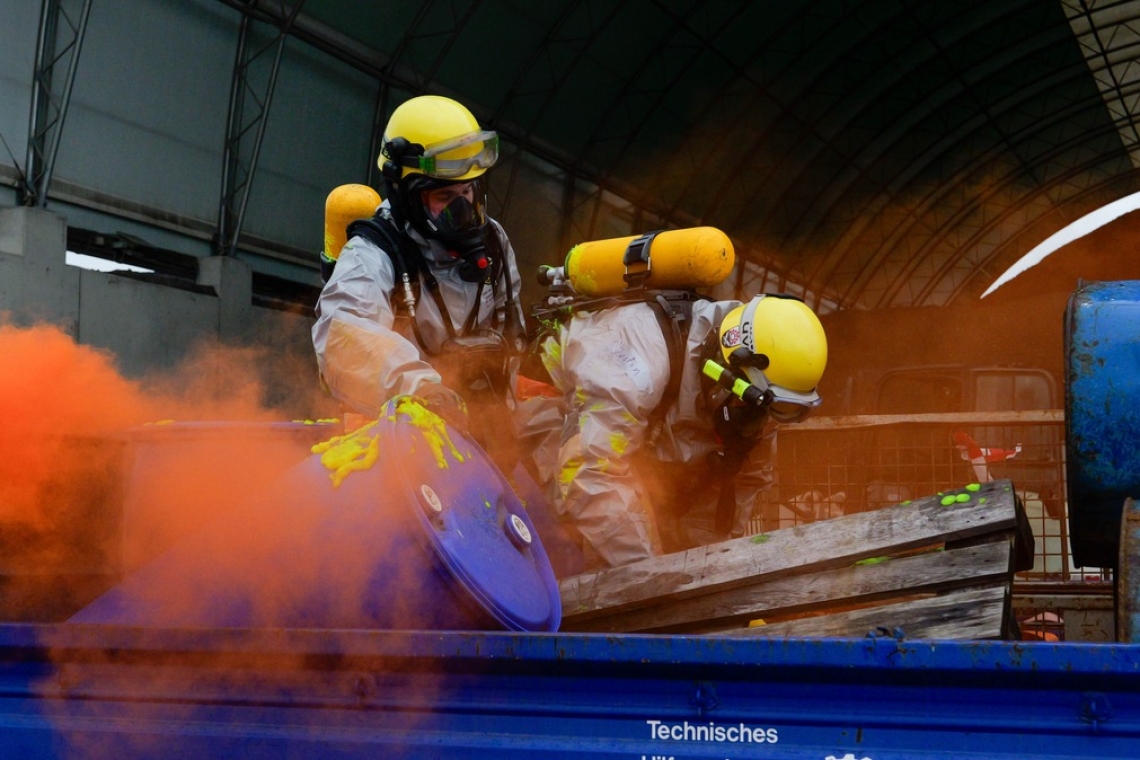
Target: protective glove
{"x":446,"y":403}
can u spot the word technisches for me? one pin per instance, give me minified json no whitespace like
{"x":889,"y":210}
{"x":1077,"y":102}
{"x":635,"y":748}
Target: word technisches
{"x":711,"y":732}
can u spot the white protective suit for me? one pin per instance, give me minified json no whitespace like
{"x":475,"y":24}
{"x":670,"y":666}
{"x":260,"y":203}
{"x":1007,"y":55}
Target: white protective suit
{"x":612,"y":366}
{"x":364,"y":356}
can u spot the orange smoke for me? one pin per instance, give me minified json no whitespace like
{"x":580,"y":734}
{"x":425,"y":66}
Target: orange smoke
{"x":197,"y":501}
{"x":82,"y":496}
{"x":52,"y":392}
{"x":55,"y":393}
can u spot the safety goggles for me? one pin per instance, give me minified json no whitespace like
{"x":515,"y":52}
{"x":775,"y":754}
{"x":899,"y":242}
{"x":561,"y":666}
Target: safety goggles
{"x":432,"y":165}
{"x":784,"y":404}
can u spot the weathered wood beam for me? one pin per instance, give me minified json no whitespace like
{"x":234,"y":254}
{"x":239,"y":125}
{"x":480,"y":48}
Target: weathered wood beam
{"x":839,"y":542}
{"x":967,"y":614}
{"x":931,"y":572}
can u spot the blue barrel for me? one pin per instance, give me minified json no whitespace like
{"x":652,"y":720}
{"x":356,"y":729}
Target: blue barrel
{"x":402,"y":524}
{"x":1102,"y":411}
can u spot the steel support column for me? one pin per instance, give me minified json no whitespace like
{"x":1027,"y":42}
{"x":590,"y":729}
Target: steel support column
{"x":245,"y":124}
{"x":61,"y":32}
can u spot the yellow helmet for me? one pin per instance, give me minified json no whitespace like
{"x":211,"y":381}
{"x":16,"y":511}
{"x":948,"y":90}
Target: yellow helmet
{"x":430,"y":143}
{"x":779,"y":344}
{"x":436,"y":137}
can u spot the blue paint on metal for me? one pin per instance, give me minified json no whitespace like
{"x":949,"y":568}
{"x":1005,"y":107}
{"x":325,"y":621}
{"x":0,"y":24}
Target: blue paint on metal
{"x":566,"y":558}
{"x":481,"y":533}
{"x":1102,"y":363}
{"x":144,"y":694}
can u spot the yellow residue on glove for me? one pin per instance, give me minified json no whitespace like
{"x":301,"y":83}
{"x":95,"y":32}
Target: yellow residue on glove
{"x":433,"y":428}
{"x":348,"y":453}
{"x":359,"y":450}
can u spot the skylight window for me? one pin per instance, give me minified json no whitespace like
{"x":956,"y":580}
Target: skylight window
{"x":94,"y":263}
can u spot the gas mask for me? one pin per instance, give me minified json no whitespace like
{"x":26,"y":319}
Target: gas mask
{"x":474,"y":259}
{"x":474,"y":262}
{"x":460,"y":225}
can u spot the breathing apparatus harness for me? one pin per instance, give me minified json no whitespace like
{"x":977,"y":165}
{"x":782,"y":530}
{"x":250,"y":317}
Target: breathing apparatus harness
{"x":672,"y":308}
{"x":738,"y":421}
{"x":413,"y":274}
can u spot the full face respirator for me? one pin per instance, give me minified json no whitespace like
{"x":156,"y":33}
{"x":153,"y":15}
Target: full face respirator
{"x":460,"y":224}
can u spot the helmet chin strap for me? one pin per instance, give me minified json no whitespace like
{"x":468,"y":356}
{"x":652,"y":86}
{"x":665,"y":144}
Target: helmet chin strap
{"x":395,"y":203}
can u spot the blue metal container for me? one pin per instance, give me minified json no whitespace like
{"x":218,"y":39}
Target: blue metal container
{"x":404,"y":524}
{"x":110,"y":692}
{"x":1102,"y":412}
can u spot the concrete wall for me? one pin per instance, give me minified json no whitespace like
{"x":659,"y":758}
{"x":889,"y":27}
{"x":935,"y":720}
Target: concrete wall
{"x":150,"y":326}
{"x":142,"y":153}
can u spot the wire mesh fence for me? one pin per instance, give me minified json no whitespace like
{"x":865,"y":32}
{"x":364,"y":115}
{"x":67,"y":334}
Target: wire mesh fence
{"x":828,"y":467}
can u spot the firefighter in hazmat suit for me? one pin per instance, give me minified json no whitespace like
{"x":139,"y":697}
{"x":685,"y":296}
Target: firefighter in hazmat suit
{"x":423,"y":299}
{"x":641,"y":459}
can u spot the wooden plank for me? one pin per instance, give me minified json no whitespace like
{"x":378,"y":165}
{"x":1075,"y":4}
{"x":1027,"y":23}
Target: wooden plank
{"x":1024,"y":543}
{"x":930,"y":572}
{"x":864,"y":421}
{"x":966,"y":614}
{"x":1095,"y":599}
{"x":802,"y":549}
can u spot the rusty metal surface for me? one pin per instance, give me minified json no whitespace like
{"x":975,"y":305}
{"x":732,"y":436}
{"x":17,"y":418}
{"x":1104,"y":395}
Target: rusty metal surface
{"x":1128,"y":575}
{"x":1102,"y":330}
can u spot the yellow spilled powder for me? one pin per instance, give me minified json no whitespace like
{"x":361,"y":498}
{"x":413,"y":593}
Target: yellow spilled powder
{"x":359,"y":450}
{"x":618,"y":443}
{"x":568,"y":472}
{"x":344,"y":454}
{"x":433,"y":429}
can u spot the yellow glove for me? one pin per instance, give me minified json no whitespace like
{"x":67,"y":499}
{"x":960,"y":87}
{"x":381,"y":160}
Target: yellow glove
{"x":444,"y":402}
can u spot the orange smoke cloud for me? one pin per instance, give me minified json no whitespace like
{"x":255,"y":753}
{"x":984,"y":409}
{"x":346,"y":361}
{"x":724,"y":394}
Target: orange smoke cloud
{"x":51,"y":392}
{"x":196,"y":501}
{"x":90,"y":484}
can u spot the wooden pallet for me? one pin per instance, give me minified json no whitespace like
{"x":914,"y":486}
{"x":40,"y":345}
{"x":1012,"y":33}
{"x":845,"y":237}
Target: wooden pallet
{"x":923,"y":569}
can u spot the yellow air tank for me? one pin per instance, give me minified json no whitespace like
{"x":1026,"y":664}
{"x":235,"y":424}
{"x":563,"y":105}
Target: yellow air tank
{"x":344,"y":205}
{"x":692,"y":258}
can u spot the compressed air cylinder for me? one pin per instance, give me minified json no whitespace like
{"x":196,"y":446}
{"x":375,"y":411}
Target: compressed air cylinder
{"x":344,"y":205}
{"x":692,"y":258}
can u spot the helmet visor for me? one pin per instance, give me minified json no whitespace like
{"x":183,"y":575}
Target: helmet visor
{"x":435,"y":163}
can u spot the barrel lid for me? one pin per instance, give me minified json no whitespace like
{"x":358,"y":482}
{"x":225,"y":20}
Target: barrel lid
{"x":472,"y":517}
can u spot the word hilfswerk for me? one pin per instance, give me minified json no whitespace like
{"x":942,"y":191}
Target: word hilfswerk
{"x":711,"y":732}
